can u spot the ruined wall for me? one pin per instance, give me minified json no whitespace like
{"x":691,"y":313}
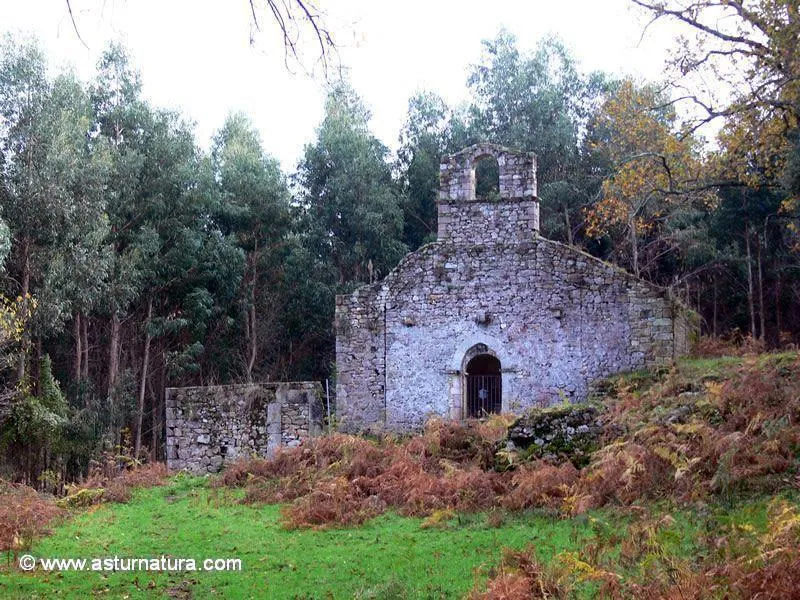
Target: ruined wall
{"x":209,"y":426}
{"x":360,"y":321}
{"x":555,"y":317}
{"x":478,"y":222}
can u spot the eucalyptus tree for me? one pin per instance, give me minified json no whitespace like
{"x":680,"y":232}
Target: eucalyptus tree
{"x":54,"y":179}
{"x":174,"y":272}
{"x":193,"y":271}
{"x":355,"y":220}
{"x":540,"y":102}
{"x":423,"y":140}
{"x":122,"y":118}
{"x":252,"y":206}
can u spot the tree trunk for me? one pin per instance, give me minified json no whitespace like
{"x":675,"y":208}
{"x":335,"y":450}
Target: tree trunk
{"x":568,"y":225}
{"x":252,"y":326}
{"x":697,"y":290}
{"x":85,"y":347}
{"x":26,"y":284}
{"x":37,"y":365}
{"x":778,"y":319}
{"x":143,"y":381}
{"x":113,"y":355}
{"x":77,"y":370}
{"x":155,"y":420}
{"x":762,"y":320}
{"x":750,"y":302}
{"x":634,"y":248}
{"x":714,"y":313}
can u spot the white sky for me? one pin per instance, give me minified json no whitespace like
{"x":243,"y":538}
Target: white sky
{"x":196,"y":56}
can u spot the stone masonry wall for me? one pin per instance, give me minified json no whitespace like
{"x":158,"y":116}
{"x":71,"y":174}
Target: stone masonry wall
{"x":517,"y":173}
{"x":463,"y":218}
{"x":210,"y":426}
{"x":555,"y":317}
{"x":488,"y":222}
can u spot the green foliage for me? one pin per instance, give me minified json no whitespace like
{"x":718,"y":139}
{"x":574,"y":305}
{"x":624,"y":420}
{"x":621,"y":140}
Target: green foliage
{"x":425,"y":136}
{"x":352,"y":211}
{"x":108,"y":208}
{"x":36,"y":424}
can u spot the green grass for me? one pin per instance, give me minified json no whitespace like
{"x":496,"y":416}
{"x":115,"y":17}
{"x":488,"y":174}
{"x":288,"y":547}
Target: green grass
{"x":389,"y":557}
{"x":186,"y":519}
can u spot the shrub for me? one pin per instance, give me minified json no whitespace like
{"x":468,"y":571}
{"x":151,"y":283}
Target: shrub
{"x":332,"y":501}
{"x":540,"y":485}
{"x":521,"y":576}
{"x":668,"y":434}
{"x":24,"y":515}
{"x":118,"y":488}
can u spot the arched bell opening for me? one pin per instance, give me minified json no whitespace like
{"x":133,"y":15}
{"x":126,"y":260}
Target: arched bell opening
{"x":486,"y":178}
{"x":483,"y":386}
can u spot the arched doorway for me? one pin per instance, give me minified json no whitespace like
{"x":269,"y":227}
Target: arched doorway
{"x":484,"y":386}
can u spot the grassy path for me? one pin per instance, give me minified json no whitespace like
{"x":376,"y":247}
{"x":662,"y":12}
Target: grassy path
{"x":187,"y":520}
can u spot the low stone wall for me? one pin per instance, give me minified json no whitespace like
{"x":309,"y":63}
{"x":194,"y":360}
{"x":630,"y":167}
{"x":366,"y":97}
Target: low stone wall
{"x":212,"y":425}
{"x":572,"y":430}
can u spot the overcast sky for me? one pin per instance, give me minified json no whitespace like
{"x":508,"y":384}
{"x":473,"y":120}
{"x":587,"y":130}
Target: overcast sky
{"x":196,"y":56}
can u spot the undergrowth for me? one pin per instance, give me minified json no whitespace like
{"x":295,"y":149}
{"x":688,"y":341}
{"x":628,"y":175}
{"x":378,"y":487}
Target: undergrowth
{"x":26,"y":514}
{"x":735,"y":562}
{"x":672,"y":434}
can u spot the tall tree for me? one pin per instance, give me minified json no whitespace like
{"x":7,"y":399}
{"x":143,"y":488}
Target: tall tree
{"x":655,"y":173}
{"x":53,"y":179}
{"x":423,"y":141}
{"x":122,"y":118}
{"x":253,"y":206}
{"x":352,"y":203}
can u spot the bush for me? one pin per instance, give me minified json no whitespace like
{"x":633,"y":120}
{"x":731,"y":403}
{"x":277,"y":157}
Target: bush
{"x":117,"y":488}
{"x":24,"y":516}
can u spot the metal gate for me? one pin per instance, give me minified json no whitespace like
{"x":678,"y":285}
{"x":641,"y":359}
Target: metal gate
{"x":484,"y":395}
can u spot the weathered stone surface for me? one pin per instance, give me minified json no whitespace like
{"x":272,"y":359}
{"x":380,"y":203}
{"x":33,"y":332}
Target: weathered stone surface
{"x":571,"y":430}
{"x":209,"y":426}
{"x":556,"y":318}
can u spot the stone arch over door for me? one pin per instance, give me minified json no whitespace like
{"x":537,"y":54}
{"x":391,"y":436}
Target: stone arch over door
{"x":482,"y":384}
{"x":463,"y":354}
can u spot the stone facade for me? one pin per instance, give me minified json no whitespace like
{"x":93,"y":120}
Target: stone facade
{"x":555,"y":317}
{"x":209,"y":426}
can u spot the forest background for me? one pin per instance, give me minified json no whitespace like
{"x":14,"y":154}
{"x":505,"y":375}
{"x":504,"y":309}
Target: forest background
{"x":134,"y":260}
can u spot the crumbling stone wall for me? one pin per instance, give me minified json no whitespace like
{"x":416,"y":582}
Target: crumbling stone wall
{"x":555,"y":317}
{"x":571,"y":430}
{"x":209,"y":426}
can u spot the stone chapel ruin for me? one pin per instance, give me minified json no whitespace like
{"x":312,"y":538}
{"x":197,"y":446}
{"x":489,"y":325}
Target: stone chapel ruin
{"x":492,"y":317}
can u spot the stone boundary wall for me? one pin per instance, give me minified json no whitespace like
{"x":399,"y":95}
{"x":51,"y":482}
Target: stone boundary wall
{"x":212,"y":425}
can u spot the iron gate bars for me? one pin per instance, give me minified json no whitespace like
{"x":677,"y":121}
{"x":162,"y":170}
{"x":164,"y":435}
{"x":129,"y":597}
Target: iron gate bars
{"x":484,"y":395}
